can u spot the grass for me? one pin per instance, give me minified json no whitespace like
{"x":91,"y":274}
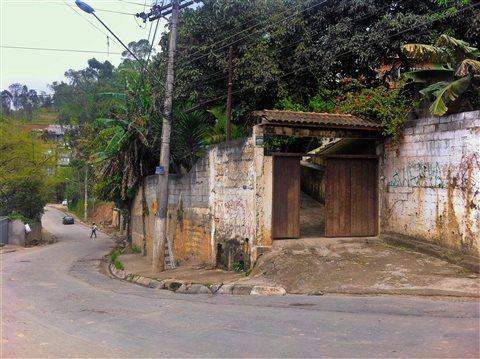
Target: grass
{"x":114,"y":259}
{"x":136,"y":249}
{"x":114,"y":256}
{"x":118,"y":264}
{"x":238,"y":266}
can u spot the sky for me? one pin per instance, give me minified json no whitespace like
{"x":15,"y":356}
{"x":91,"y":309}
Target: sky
{"x":53,"y":24}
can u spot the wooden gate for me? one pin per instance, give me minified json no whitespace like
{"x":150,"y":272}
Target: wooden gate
{"x":286,"y":197}
{"x":351,"y":197}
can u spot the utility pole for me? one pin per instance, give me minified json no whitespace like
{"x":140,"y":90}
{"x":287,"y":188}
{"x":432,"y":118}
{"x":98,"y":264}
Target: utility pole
{"x":160,"y":233}
{"x":85,"y":206}
{"x":229,"y":94}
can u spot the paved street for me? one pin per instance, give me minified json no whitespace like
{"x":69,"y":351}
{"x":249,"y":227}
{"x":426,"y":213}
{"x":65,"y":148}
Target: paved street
{"x":56,"y":303}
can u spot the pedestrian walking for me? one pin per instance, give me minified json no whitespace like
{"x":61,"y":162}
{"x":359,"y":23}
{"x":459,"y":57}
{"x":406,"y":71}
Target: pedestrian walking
{"x":94,"y":230}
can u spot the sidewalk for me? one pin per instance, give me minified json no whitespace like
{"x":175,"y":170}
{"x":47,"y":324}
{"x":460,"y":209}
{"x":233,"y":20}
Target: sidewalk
{"x":362,"y":266}
{"x":317,"y":266}
{"x":139,"y":265}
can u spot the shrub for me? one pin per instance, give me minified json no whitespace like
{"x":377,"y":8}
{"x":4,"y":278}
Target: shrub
{"x":114,"y":255}
{"x":379,"y":104}
{"x":238,"y":266}
{"x":136,"y":249}
{"x":118,"y":264}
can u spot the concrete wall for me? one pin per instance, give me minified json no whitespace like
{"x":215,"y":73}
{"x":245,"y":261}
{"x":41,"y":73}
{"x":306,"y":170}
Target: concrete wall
{"x":16,"y":233}
{"x":214,"y":204}
{"x":142,"y":216}
{"x":430,"y":182}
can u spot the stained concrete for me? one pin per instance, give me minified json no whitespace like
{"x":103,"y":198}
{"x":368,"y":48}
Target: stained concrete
{"x":430,"y":181}
{"x":361,"y":265}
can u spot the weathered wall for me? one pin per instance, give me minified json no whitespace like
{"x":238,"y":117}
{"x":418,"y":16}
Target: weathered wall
{"x":430,"y":182}
{"x":16,"y":234}
{"x":189,"y":215}
{"x":142,"y":216}
{"x":263,"y":195}
{"x":214,"y":204}
{"x":232,"y":198}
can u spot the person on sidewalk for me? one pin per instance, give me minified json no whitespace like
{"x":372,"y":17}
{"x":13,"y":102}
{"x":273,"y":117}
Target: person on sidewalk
{"x":94,"y":230}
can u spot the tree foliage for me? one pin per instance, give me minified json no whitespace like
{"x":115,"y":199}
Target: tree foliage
{"x":25,"y":165}
{"x":289,"y":49}
{"x":456,"y":71}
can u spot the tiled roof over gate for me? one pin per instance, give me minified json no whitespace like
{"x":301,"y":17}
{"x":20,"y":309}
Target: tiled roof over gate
{"x":292,"y":118}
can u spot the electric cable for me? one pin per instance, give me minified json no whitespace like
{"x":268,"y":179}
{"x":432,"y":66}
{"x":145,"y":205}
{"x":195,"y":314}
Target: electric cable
{"x":91,"y":23}
{"x":270,"y":23}
{"x":447,"y":15}
{"x":59,"y":50}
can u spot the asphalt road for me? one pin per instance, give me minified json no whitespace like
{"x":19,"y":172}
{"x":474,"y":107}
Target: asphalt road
{"x":56,"y":303}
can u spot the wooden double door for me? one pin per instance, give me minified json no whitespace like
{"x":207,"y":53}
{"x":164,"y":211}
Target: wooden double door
{"x":350,"y":197}
{"x":286,"y":197}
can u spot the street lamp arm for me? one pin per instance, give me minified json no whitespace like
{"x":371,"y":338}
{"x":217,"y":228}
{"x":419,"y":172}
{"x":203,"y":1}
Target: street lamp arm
{"x":85,"y":7}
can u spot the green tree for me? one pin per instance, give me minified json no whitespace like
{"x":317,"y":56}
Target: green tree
{"x":22,"y":198}
{"x":289,"y":49}
{"x":6,"y":98}
{"x":25,"y":165}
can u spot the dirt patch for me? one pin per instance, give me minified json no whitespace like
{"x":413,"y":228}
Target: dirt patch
{"x":192,"y":273}
{"x":103,"y":214}
{"x":328,"y":265}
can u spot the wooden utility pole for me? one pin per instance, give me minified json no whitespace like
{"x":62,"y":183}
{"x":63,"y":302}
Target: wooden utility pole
{"x":160,"y":233}
{"x":85,"y":206}
{"x":229,"y":94}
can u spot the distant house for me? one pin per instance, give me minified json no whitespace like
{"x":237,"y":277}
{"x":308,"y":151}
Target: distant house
{"x":58,"y":132}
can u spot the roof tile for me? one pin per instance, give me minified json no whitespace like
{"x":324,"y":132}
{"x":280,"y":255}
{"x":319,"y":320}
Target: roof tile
{"x":313,"y":118}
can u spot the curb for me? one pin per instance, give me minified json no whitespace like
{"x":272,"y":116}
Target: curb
{"x":183,"y":287}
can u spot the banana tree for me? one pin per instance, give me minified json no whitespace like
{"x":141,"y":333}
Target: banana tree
{"x":124,"y":144}
{"x":453,"y":70}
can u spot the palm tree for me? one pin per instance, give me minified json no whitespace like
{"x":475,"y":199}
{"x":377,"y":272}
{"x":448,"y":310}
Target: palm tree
{"x":455,"y":71}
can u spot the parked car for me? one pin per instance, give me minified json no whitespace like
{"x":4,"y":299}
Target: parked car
{"x":68,"y":220}
{"x":64,"y":202}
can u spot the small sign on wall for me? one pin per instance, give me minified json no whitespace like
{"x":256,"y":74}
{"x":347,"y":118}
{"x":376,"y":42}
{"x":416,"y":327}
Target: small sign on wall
{"x":160,"y":170}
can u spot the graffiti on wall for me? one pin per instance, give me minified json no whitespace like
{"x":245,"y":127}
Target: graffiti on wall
{"x":436,"y":175}
{"x":419,"y":174}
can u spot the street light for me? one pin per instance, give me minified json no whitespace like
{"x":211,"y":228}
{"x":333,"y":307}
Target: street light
{"x":85,"y":7}
{"x":90,"y":10}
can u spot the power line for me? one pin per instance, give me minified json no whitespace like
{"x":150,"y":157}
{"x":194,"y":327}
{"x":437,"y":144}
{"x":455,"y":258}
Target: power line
{"x":344,"y":53}
{"x":132,"y":2}
{"x":153,"y":39}
{"x":270,"y":23}
{"x":91,"y":23}
{"x":208,"y":79}
{"x":58,"y":49}
{"x":116,"y":12}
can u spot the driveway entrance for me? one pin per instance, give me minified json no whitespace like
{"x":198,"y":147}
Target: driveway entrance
{"x":351,"y":197}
